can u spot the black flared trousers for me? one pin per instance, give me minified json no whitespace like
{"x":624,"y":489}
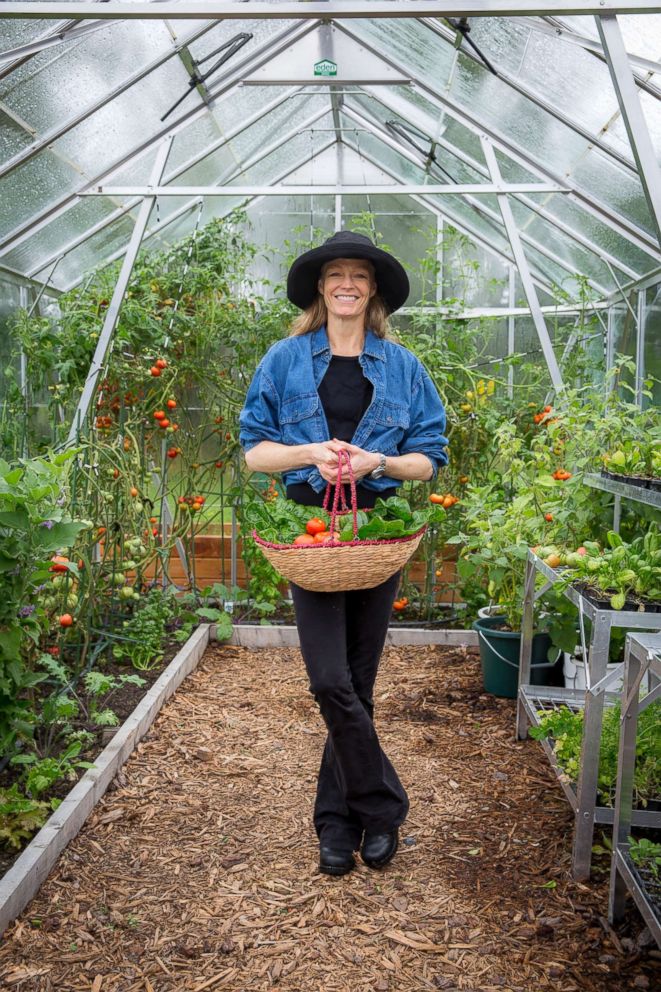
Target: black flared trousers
{"x":342,"y":635}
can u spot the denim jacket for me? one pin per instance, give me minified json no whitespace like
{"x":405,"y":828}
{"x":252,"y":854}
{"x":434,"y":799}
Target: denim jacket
{"x":282,"y":404}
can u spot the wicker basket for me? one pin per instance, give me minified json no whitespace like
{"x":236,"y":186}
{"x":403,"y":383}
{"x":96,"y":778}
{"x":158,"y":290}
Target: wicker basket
{"x":340,"y":565}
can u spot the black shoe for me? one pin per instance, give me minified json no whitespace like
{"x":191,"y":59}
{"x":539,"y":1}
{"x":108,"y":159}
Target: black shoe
{"x":379,"y":849}
{"x":334,"y":862}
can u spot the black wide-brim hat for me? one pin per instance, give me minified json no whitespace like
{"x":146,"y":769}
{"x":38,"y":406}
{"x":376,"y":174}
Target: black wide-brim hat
{"x":391,"y":278}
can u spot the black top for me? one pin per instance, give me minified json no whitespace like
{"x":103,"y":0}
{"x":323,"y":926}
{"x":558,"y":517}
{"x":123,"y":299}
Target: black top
{"x":345,"y":395}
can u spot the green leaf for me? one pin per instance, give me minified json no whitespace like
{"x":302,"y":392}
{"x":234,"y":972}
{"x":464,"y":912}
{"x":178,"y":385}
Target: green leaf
{"x":10,"y":643}
{"x":16,"y":519}
{"x":617,"y":601}
{"x":224,"y":628}
{"x":59,"y":536}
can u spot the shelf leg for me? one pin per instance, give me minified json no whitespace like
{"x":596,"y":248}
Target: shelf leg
{"x":525,"y":655}
{"x":624,"y":789}
{"x":589,"y":767}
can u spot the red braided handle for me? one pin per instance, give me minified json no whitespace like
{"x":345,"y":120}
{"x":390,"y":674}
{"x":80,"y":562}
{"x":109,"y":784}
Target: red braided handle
{"x":345,"y":457}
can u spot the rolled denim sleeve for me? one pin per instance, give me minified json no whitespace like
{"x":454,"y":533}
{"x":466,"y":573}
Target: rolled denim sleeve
{"x":426,"y":432}
{"x":259,"y":419}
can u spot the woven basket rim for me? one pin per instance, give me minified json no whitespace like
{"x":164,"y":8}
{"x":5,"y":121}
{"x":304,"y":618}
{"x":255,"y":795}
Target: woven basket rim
{"x":367,"y":542}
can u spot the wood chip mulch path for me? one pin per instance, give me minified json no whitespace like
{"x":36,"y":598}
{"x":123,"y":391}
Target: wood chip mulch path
{"x":198,"y":870}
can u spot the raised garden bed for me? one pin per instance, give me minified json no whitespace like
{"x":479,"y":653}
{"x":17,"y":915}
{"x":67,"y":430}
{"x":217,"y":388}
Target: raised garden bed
{"x":26,"y":870}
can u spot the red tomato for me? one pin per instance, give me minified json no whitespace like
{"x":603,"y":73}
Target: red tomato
{"x":304,"y":539}
{"x":66,"y":620}
{"x":325,"y":535}
{"x":171,"y":404}
{"x":315,"y":526}
{"x":160,"y":363}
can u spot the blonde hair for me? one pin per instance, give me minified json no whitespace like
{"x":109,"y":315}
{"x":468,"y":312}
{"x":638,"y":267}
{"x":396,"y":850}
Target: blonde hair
{"x":312,"y":318}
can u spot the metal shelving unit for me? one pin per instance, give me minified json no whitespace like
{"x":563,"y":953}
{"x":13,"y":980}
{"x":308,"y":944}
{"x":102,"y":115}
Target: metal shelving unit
{"x":620,"y":490}
{"x":531,"y":698}
{"x":642,"y":655}
{"x":638,"y":493}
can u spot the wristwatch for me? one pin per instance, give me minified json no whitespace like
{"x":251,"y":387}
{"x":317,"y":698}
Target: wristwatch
{"x":380,"y":470}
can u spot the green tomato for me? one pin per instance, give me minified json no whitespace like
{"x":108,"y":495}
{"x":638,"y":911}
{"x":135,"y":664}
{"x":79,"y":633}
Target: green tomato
{"x":126,"y":592}
{"x":136,"y":595}
{"x":139,"y":506}
{"x":118,"y":579}
{"x":129,"y":564}
{"x":72,"y":600}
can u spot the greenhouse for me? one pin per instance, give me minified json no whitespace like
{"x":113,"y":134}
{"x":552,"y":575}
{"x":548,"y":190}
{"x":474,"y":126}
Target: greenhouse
{"x":330,"y":496}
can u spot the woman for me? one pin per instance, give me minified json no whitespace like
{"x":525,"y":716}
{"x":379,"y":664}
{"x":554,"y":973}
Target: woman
{"x":337,"y":382}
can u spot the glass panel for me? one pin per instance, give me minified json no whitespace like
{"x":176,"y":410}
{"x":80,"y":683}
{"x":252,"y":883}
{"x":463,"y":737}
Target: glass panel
{"x":10,"y":300}
{"x":242,"y":102}
{"x":60,"y":82}
{"x":289,"y":156}
{"x":35,"y":251}
{"x":227,"y":160}
{"x":652,"y":358}
{"x":224,"y":31}
{"x":617,"y":136}
{"x":576,"y":257}
{"x":116,"y":129}
{"x":277,"y":226}
{"x":549,"y":271}
{"x":410,"y":43}
{"x":611,"y":184}
{"x":13,"y":138}
{"x":570,"y":79}
{"x":32,"y":187}
{"x":93,"y":252}
{"x":15,"y":32}
{"x":599,"y":232}
{"x":641,"y":32}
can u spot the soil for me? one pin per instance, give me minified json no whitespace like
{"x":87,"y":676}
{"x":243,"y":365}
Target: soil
{"x":198,"y":870}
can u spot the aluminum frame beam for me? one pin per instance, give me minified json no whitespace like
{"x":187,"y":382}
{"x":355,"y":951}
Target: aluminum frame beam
{"x":230,"y":9}
{"x":632,"y":115}
{"x":628,"y":230}
{"x":438,"y":189}
{"x":524,"y":271}
{"x":54,"y":210}
{"x":112,"y":313}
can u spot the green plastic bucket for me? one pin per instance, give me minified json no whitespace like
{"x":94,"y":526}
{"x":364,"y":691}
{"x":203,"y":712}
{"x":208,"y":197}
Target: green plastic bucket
{"x":499,"y":656}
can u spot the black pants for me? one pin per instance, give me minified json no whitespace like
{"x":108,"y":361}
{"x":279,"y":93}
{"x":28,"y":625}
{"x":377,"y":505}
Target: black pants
{"x":342,"y":636}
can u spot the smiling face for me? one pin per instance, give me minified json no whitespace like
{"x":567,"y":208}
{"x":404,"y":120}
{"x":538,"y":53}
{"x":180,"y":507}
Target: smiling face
{"x":347,"y":285}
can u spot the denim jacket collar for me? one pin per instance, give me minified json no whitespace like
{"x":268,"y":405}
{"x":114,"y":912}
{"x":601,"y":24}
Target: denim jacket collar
{"x":373,"y":345}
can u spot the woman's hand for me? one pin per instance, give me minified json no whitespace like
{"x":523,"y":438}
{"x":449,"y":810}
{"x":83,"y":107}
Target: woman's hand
{"x":362,"y":462}
{"x":324,"y":456}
